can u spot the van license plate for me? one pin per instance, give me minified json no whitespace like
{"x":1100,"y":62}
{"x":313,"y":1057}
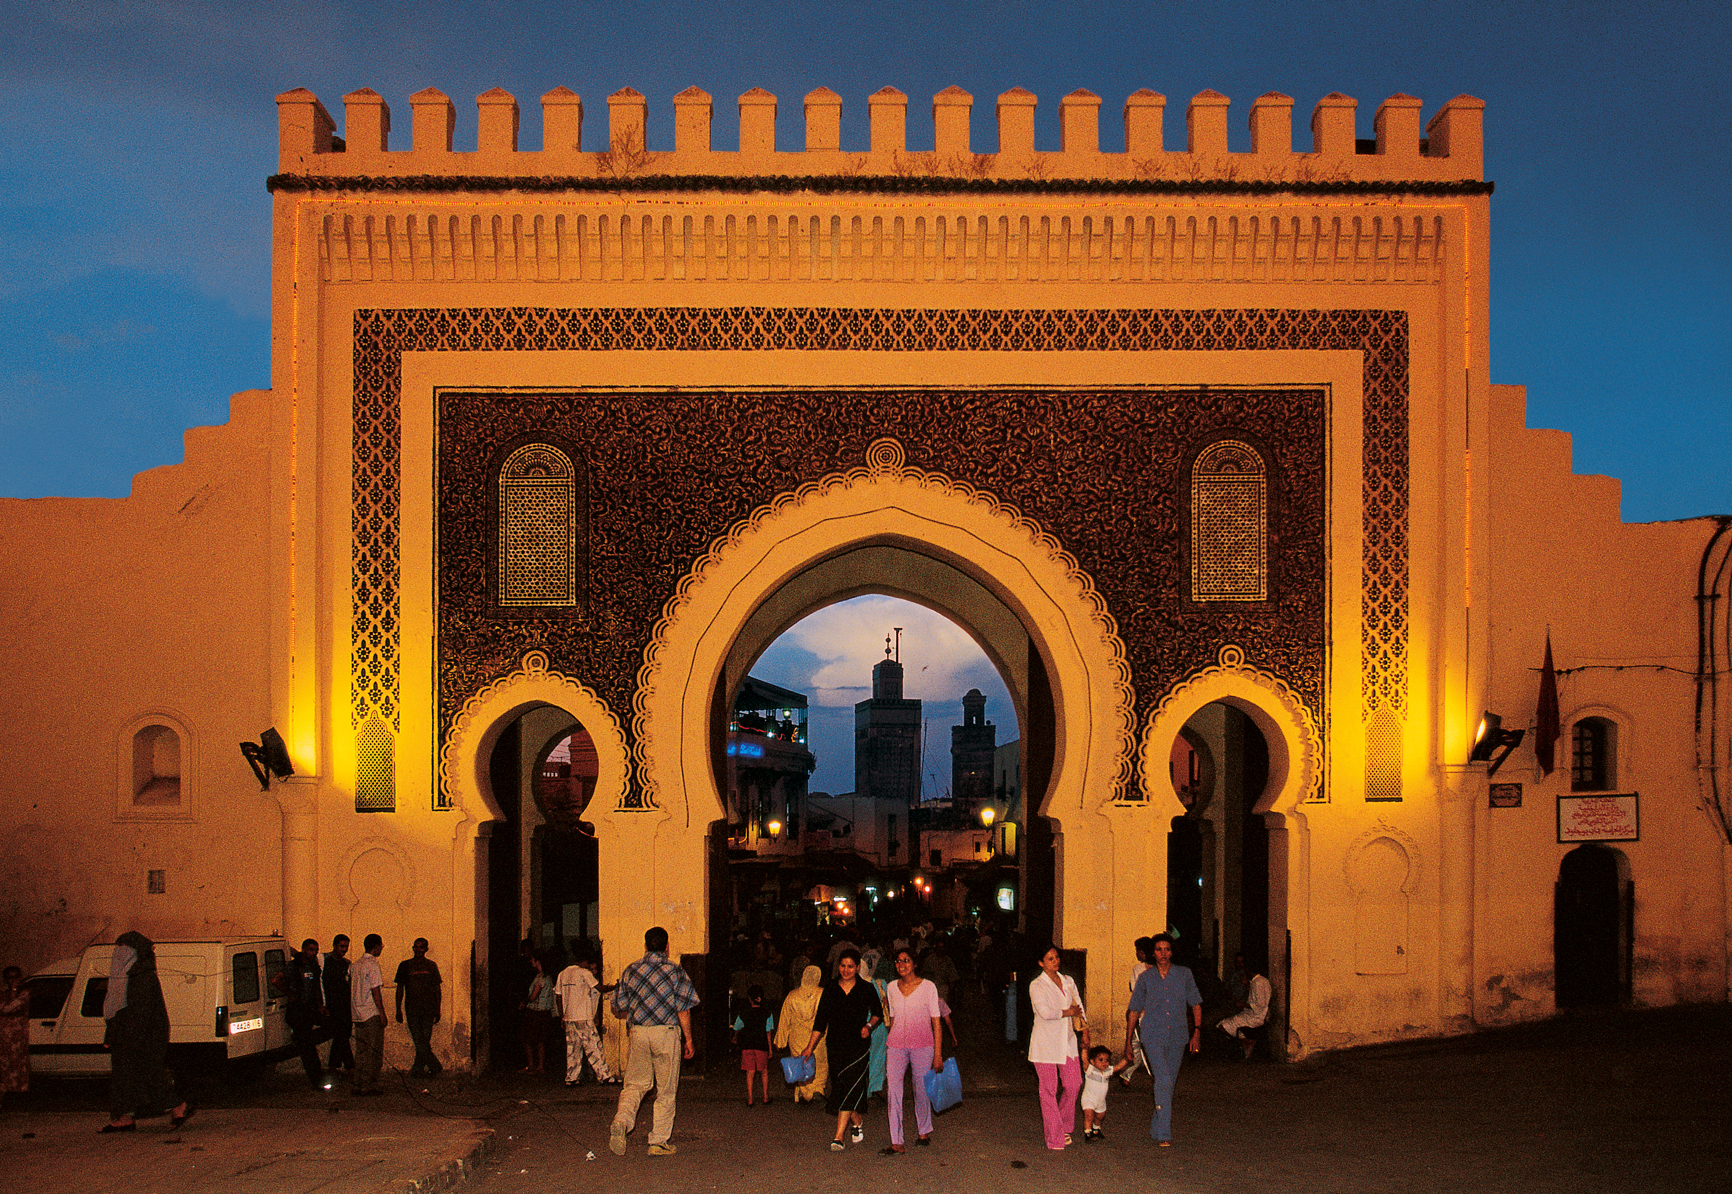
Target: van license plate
{"x":236,"y":1026}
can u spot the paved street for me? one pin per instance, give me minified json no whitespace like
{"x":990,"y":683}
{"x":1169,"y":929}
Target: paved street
{"x":1619,"y":1101}
{"x":1615,"y":1102}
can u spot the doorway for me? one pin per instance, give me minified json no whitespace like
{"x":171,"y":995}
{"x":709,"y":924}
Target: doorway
{"x":1591,"y":938}
{"x":542,"y":869}
{"x":1218,"y":851}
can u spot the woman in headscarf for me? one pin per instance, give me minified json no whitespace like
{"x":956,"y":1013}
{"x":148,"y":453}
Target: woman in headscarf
{"x":877,"y":1058}
{"x":794,"y":1026}
{"x":137,"y":1037}
{"x":848,"y":1011}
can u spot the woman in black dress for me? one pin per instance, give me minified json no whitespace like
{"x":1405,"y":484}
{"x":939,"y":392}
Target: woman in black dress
{"x":137,"y":1038}
{"x":848,"y":1011}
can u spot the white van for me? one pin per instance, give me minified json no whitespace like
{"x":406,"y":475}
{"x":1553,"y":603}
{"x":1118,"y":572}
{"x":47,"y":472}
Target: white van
{"x":224,"y":1012}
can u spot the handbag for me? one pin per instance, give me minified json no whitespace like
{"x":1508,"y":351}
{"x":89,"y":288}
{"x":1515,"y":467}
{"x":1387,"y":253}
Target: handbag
{"x":797,"y":1070}
{"x":944,"y":1087}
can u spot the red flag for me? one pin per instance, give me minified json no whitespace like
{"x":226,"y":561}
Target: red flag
{"x":1546,"y":728}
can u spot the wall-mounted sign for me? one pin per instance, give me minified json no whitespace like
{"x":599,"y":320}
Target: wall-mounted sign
{"x":1600,"y":818}
{"x":1506,"y":796}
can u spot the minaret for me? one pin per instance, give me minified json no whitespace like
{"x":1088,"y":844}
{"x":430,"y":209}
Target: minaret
{"x":971,"y":747}
{"x":887,"y":737}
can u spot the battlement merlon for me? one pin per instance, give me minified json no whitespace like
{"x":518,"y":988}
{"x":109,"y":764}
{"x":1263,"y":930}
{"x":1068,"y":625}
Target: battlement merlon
{"x":1451,"y":148}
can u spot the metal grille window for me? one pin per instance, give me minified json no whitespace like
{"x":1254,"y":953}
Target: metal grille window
{"x":375,"y":769}
{"x":537,"y":528}
{"x":1591,"y":756}
{"x":1229,"y":524}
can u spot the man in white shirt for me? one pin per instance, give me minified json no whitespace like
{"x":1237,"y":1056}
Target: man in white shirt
{"x":367,"y":1006}
{"x":578,"y":996}
{"x":1145,"y":947}
{"x":1254,"y":1014}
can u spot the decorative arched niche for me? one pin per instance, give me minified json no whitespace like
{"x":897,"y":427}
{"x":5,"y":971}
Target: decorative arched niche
{"x":1382,"y":870}
{"x":156,"y":779}
{"x":1295,"y":745}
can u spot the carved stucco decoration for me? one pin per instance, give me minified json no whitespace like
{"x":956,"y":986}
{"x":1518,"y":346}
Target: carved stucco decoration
{"x":533,"y":683}
{"x":886,"y":468}
{"x":1401,"y":838}
{"x":1231,"y":677}
{"x":672,"y":472}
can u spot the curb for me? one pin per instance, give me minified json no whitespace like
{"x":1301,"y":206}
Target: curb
{"x":452,"y":1170}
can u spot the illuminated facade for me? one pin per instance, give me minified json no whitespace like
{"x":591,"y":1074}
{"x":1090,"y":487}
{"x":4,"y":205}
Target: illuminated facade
{"x":585,"y":428}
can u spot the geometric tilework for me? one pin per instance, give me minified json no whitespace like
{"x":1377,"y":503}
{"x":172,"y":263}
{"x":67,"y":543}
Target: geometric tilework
{"x":382,"y":335}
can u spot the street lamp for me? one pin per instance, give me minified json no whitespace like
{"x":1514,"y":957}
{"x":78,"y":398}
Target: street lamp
{"x":775,"y":828}
{"x":986,"y":816}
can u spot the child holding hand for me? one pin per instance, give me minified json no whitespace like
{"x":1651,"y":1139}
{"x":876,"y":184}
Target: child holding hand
{"x":1097,"y":1079}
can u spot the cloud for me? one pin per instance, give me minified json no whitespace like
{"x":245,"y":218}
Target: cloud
{"x":940,"y":661}
{"x":118,"y":332}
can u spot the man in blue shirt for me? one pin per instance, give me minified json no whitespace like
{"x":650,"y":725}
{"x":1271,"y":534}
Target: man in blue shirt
{"x":1166,"y":1012}
{"x":656,"y":998}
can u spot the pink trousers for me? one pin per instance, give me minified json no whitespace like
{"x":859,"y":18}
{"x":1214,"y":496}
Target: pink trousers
{"x":1059,"y":1087}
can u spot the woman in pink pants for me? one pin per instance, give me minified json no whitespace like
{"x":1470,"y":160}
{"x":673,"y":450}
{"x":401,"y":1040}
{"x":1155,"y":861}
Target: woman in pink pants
{"x":1052,"y":1047}
{"x":914,"y":1047}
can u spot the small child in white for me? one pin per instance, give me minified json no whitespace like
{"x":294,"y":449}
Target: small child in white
{"x":1097,"y":1078}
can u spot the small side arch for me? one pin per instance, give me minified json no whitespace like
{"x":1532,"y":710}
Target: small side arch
{"x":1296,"y":754}
{"x":464,"y":758}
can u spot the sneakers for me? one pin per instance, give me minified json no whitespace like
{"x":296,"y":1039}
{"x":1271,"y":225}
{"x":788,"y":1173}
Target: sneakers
{"x":616,"y":1140}
{"x":662,"y":1150}
{"x":858,"y":1135}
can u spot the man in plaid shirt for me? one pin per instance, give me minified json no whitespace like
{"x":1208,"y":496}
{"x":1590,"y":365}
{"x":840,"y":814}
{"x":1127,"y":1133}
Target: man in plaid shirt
{"x":656,"y":998}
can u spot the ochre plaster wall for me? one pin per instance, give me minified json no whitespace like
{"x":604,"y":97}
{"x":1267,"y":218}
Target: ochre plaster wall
{"x":121,"y":611}
{"x":1619,"y":602}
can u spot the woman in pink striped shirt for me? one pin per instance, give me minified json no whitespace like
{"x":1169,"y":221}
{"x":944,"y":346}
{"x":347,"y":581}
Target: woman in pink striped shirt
{"x":914,"y":1047}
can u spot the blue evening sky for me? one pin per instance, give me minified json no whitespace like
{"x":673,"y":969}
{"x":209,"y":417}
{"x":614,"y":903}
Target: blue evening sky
{"x":134,"y":223}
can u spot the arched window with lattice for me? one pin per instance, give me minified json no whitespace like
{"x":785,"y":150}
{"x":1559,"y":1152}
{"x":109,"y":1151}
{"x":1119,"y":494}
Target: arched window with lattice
{"x":538,"y":527}
{"x":1229,"y":524}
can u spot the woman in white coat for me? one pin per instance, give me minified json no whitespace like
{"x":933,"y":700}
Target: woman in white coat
{"x":1052,"y":1047}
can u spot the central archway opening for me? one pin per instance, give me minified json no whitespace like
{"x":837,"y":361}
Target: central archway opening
{"x":873,"y":749}
{"x":873,"y":777}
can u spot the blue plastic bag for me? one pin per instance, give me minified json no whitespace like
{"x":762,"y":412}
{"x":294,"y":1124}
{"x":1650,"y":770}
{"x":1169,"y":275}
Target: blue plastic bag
{"x":797,"y":1070}
{"x":944,"y":1087}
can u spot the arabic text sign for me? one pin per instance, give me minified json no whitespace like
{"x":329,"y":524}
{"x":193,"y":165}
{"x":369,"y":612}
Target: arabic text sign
{"x":1599,"y":818}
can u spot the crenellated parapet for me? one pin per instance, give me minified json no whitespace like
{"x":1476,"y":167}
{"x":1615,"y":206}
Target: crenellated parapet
{"x":1448,"y":150}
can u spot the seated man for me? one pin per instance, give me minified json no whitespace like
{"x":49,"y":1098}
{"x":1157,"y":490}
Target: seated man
{"x":1254,"y":1014}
